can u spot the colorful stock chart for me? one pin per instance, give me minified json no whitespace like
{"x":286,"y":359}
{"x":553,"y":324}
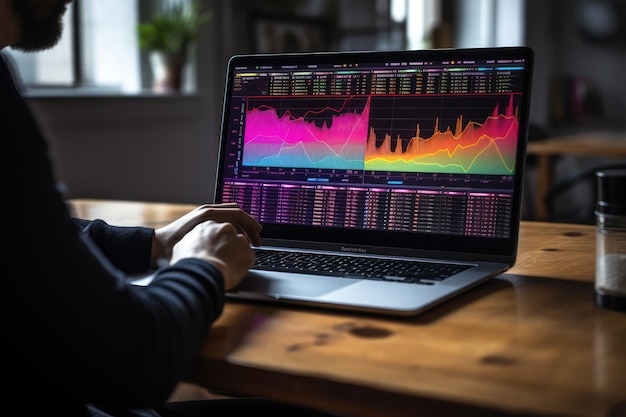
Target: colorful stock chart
{"x":365,"y":132}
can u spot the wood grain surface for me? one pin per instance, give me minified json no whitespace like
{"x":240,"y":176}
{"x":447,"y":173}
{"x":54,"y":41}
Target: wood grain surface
{"x":528,"y":342}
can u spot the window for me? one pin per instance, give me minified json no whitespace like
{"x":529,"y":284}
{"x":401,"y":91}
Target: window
{"x":422,"y":17}
{"x":54,"y":67}
{"x":490,"y":23}
{"x":109,"y":52}
{"x":477,"y":23}
{"x":98,"y":50}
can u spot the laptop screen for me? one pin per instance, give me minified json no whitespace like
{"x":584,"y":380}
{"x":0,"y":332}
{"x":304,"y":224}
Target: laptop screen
{"x":412,"y":150}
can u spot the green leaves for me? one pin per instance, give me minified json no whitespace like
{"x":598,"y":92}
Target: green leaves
{"x":173,"y":30}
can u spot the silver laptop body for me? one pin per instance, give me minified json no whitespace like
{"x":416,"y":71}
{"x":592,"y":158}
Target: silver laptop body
{"x":395,"y":156}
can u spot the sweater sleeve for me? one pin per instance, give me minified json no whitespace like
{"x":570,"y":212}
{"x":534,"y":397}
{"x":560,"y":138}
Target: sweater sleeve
{"x":127,"y":248}
{"x":158,"y":330}
{"x":74,"y":330}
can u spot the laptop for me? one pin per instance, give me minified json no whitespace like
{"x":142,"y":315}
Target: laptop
{"x":386,"y":182}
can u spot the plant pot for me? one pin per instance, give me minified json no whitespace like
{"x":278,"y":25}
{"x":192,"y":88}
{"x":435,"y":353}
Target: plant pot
{"x":167,"y":71}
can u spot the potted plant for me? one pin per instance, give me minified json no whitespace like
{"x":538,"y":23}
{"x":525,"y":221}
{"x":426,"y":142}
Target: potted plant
{"x":167,"y":36}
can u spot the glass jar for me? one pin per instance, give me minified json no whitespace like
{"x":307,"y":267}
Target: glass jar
{"x":610,"y":280}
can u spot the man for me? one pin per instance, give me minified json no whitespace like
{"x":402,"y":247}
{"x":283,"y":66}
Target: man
{"x":77,"y":338}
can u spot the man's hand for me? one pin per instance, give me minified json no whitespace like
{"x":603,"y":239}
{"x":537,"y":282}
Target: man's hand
{"x":166,"y":237}
{"x":222,"y":246}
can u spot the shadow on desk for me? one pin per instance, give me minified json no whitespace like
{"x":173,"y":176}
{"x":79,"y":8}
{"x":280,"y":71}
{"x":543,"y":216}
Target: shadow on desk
{"x":255,"y":312}
{"x":514,"y":333}
{"x":235,"y":328}
{"x":505,"y":295}
{"x":506,"y":299}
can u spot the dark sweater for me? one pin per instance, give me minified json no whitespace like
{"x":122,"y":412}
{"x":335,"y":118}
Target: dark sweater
{"x":73,"y":330}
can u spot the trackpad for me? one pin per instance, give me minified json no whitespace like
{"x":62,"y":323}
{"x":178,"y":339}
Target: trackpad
{"x":276,"y":284}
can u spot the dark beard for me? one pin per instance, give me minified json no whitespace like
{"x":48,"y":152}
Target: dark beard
{"x":38,"y":33}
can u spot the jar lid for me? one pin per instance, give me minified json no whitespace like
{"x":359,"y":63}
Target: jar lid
{"x":612,"y":302}
{"x":611,"y":191}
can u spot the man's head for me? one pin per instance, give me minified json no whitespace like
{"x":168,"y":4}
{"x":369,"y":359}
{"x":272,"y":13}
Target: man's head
{"x":39,"y":23}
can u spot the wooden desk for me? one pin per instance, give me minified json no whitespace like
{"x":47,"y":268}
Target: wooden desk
{"x":608,"y":145}
{"x":530,"y":342}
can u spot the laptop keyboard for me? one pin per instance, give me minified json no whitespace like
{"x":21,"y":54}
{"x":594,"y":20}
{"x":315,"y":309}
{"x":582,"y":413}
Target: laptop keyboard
{"x":427,"y":273}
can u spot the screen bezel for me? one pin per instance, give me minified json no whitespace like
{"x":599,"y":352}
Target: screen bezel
{"x":409,"y":243}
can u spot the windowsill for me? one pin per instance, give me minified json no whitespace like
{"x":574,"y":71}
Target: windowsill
{"x":95,"y":107}
{"x":88,"y":92}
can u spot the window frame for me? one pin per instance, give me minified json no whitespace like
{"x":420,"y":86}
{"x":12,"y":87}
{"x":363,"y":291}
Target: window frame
{"x":84,"y":77}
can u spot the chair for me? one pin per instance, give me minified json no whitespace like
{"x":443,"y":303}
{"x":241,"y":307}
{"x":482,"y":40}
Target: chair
{"x":559,"y":190}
